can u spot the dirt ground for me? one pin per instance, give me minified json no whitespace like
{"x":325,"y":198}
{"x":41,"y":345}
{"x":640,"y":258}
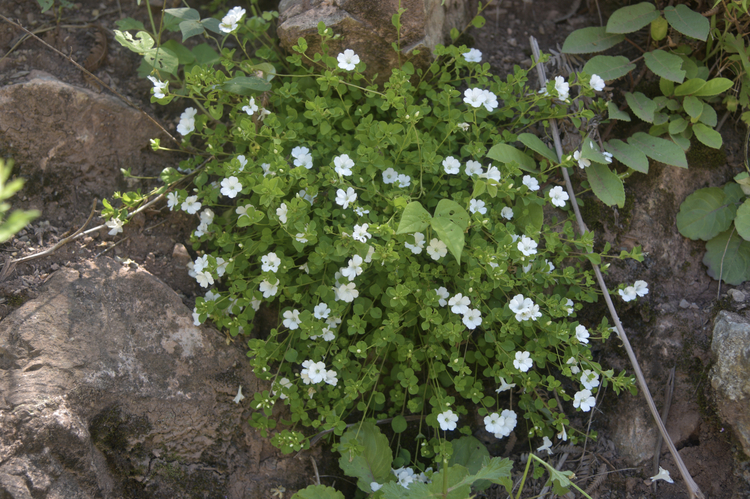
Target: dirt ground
{"x":671,"y":327}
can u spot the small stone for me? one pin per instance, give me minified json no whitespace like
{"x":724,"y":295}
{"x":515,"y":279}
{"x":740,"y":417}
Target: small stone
{"x":54,"y":266}
{"x":737,"y":295}
{"x":684,"y":303}
{"x":513,"y":42}
{"x":181,"y":255}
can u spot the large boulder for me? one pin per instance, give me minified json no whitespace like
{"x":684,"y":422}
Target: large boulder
{"x":366,"y":27}
{"x":730,"y":376}
{"x":107,"y":389}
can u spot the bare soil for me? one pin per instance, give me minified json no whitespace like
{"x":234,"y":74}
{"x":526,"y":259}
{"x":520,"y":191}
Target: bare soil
{"x":671,"y":327}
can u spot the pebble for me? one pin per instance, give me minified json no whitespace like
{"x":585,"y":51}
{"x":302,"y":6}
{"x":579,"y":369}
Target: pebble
{"x":737,"y":295}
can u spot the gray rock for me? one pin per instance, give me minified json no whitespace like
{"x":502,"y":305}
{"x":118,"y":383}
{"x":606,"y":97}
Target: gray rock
{"x":107,"y":389}
{"x":365,"y":26}
{"x":730,"y":376}
{"x":737,"y":295}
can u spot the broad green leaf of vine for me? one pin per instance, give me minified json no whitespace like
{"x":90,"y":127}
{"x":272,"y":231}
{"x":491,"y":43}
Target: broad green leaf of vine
{"x":728,"y":255}
{"x":450,"y":222}
{"x":414,"y":219}
{"x":374,"y":463}
{"x":704,"y":214}
{"x":318,"y":492}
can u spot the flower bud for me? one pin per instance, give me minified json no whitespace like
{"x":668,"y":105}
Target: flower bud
{"x":659,"y":28}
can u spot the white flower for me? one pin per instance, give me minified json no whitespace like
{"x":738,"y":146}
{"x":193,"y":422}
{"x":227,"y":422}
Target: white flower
{"x":333,"y":321}
{"x":205,"y":279}
{"x":447,"y":420}
{"x":589,"y":379}
{"x":582,"y":334}
{"x":172,"y":200}
{"x":239,"y":397}
{"x":207,"y":216}
{"x":316,"y":371}
{"x":187,"y":121}
{"x":563,"y":435}
{"x":115,"y":224}
{"x":200,"y":263}
{"x":490,"y":101}
{"x":267,"y":169}
{"x":582,"y":162}
{"x":523,"y":361}
{"x":562,"y":87}
{"x":477,"y":205}
{"x":662,"y":475}
{"x":196,"y":318}
{"x":321,"y":311}
{"x":504,"y":386}
{"x":437,"y":249}
{"x":584,"y":400}
{"x":507,"y":213}
{"x":463,"y":126}
{"x":518,"y":305}
{"x":607,"y":156}
{"x":268,"y":289}
{"x":281,"y":212}
{"x":360,"y":233}
{"x":473,"y":55}
{"x":573,"y":365}
{"x":230,"y":187}
{"x":472,"y":318}
{"x":493,"y":423}
{"x":474,"y":97}
{"x":390,"y":176}
{"x":304,"y":160}
{"x":443,"y":296}
{"x":343,"y":165}
{"x":283,"y":383}
{"x":344,"y":197}
{"x":354,"y":269}
{"x":251,"y":108}
{"x":370,"y":252}
{"x":531,"y":182}
{"x":551,"y":266}
{"x":403,"y":180}
{"x":568,"y":306}
{"x":596,"y":83}
{"x":347,"y":292}
{"x":270,"y":262}
{"x":159,"y":87}
{"x":263,"y":113}
{"x":641,"y":288}
{"x":221,"y":266}
{"x":459,"y":304}
{"x":328,"y":334}
{"x":473,"y":168}
{"x":301,"y":237}
{"x":361,"y":211}
{"x":628,"y":294}
{"x":418,"y":245}
{"x":509,"y":420}
{"x":531,"y":312}
{"x":527,"y":246}
{"x":546,"y":445}
{"x":307,"y":197}
{"x":331,"y":378}
{"x":558,"y":196}
{"x":243,"y":162}
{"x":405,"y":476}
{"x":348,"y":60}
{"x":242,"y":210}
{"x":451,"y":165}
{"x":231,"y":20}
{"x":201,"y":230}
{"x":191,"y":205}
{"x":375,"y":486}
{"x":211,"y":296}
{"x":493,"y":173}
{"x":300,"y":151}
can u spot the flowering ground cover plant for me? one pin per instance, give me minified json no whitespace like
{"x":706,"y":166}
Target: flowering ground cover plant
{"x":419,"y":262}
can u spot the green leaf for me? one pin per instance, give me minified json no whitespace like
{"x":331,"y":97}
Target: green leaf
{"x":528,"y":217}
{"x":190,"y":29}
{"x":246,"y":85}
{"x":677,"y":126}
{"x":690,"y":87}
{"x":212,"y":25}
{"x":632,"y":18}
{"x":128,"y":23}
{"x":708,"y":136}
{"x":608,"y":67}
{"x":162,"y":59}
{"x":373,"y":464}
{"x":535,"y":144}
{"x":714,"y":86}
{"x":693,"y":106}
{"x":688,"y":22}
{"x":205,"y":55}
{"x":728,"y":255}
{"x":495,"y":470}
{"x":589,"y":150}
{"x":628,"y":155}
{"x":46,"y":5}
{"x":705,"y":213}
{"x":742,"y":220}
{"x":666,"y":65}
{"x":589,"y":40}
{"x":642,"y":106}
{"x":471,"y":453}
{"x":478,"y":21}
{"x":184,"y":13}
{"x":708,"y":116}
{"x":318,"y":492}
{"x":140,"y":44}
{"x":15,"y":222}
{"x":506,"y":153}
{"x":658,"y":149}
{"x":457,"y":486}
{"x":606,"y":185}
{"x":414,"y":219}
{"x":615,"y":113}
{"x":399,"y":424}
{"x":666,"y":87}
{"x":449,"y":222}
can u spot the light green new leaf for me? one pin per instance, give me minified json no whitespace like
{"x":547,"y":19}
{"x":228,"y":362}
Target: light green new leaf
{"x":252,"y":217}
{"x":615,"y":113}
{"x":535,"y":144}
{"x":318,"y":492}
{"x":628,"y":155}
{"x":658,"y":149}
{"x":690,"y":87}
{"x":606,"y":185}
{"x":714,"y":86}
{"x":742,"y":220}
{"x":708,"y":136}
{"x":642,"y":106}
{"x":705,"y":213}
{"x":506,"y":153}
{"x":140,"y":44}
{"x":688,"y":22}
{"x":666,"y":65}
{"x":589,"y":40}
{"x":632,"y":18}
{"x":608,"y":67}
{"x":728,"y":255}
{"x":693,"y":106}
{"x":449,"y":223}
{"x":246,"y":85}
{"x":414,"y":219}
{"x":374,"y":463}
